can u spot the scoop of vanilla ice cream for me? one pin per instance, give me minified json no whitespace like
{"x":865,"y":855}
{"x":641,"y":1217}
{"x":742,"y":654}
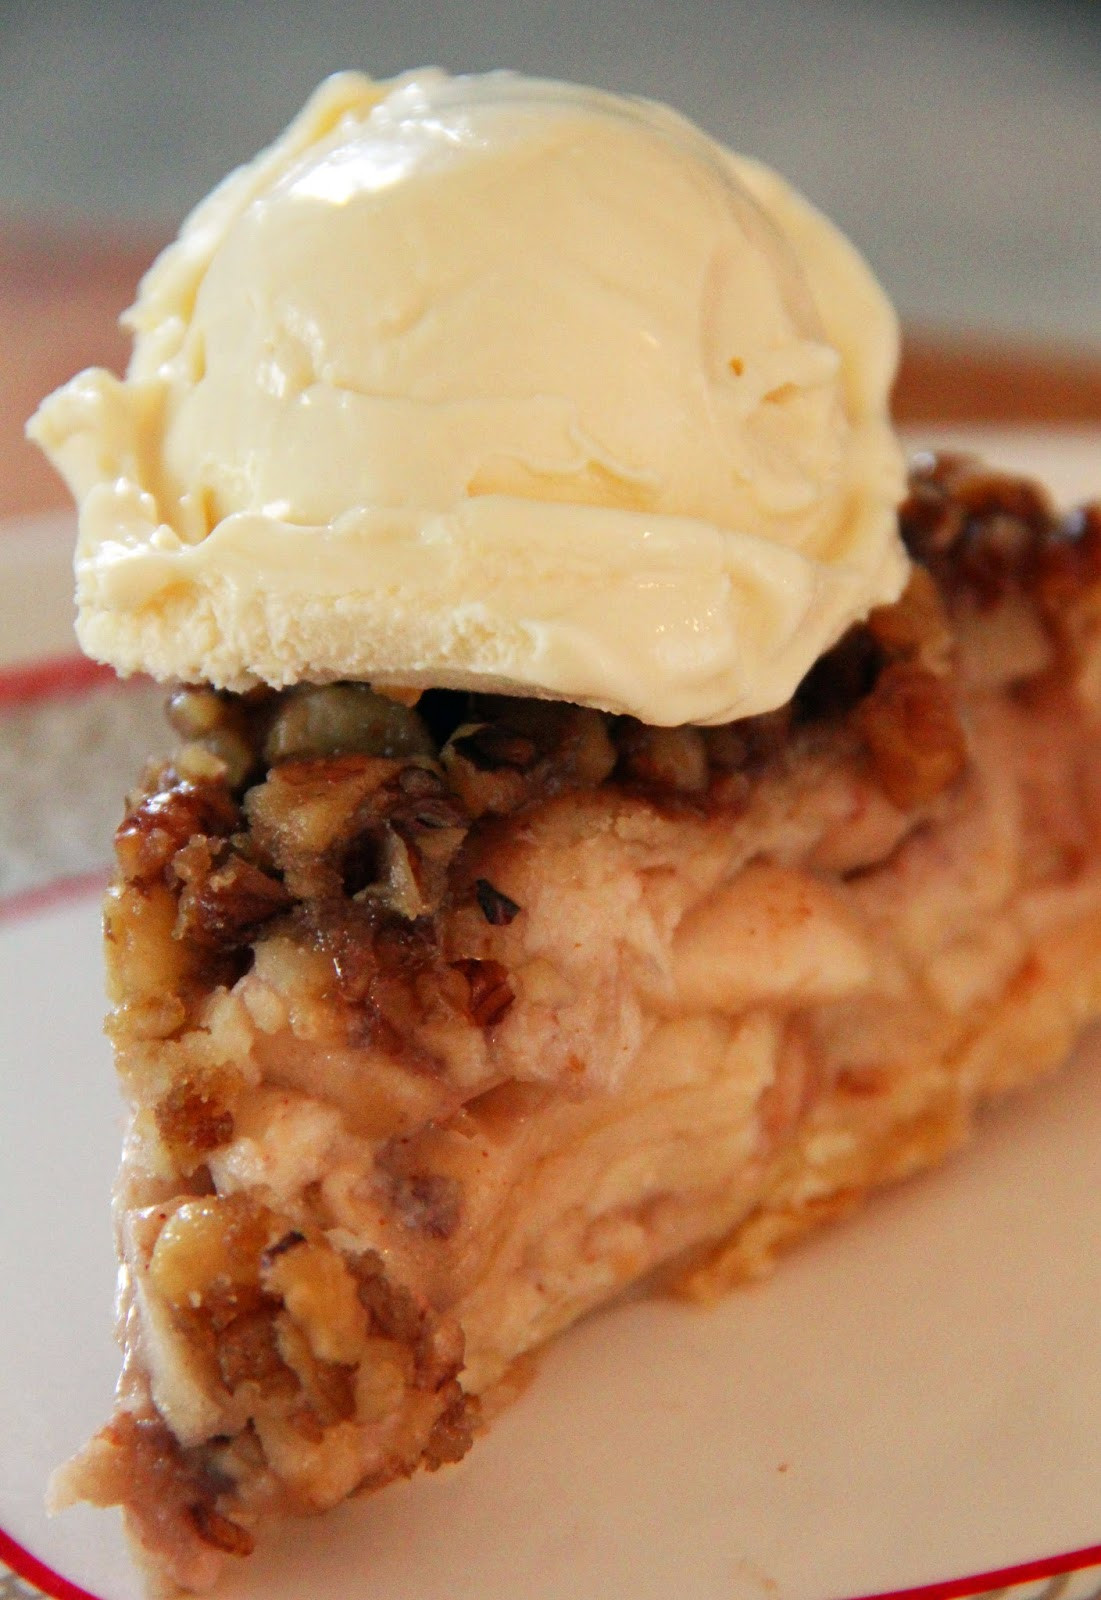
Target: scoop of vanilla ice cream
{"x":492,"y":383}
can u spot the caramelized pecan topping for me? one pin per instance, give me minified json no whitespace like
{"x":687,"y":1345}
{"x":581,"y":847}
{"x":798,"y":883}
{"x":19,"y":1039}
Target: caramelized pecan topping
{"x":977,"y":531}
{"x":225,"y":899}
{"x":161,"y":822}
{"x":910,"y":727}
{"x":524,"y":751}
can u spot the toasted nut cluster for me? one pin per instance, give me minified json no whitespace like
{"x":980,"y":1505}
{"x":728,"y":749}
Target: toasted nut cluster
{"x":347,"y":826}
{"x":524,"y":751}
{"x":162,"y":822}
{"x":984,"y":535}
{"x":218,"y":740}
{"x":913,"y":734}
{"x":224,"y":897}
{"x":343,"y":719}
{"x":976,"y":530}
{"x":231,"y":737}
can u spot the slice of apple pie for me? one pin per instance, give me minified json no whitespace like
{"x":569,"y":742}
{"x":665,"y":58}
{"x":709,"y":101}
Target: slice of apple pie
{"x":442,"y":1023}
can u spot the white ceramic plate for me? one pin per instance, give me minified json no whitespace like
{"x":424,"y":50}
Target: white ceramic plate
{"x":914,"y":1400}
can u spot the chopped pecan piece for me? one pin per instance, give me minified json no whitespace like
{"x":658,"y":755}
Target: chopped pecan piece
{"x":225,"y":899}
{"x":392,"y":1309}
{"x":345,"y":826}
{"x":159,"y":824}
{"x":916,"y":627}
{"x":342,"y":719}
{"x":311,"y":815}
{"x":526,"y":750}
{"x":978,"y":531}
{"x":170,"y":1494}
{"x":496,"y":789}
{"x":910,"y":727}
{"x":488,"y":748}
{"x":196,"y":712}
{"x":207,"y":1256}
{"x":390,"y":972}
{"x":436,"y":1343}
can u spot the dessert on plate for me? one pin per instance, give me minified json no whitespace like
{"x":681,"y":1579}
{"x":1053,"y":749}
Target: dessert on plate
{"x":618,"y":818}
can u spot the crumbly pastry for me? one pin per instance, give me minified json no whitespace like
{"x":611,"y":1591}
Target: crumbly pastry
{"x":441,"y":1024}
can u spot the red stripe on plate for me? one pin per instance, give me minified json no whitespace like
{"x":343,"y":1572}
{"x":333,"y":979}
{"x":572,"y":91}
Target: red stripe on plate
{"x":55,"y":676}
{"x":24,"y":1565}
{"x":27,"y":902}
{"x":1000,"y":1578}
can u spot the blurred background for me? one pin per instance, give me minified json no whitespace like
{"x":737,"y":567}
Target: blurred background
{"x":957,"y":141}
